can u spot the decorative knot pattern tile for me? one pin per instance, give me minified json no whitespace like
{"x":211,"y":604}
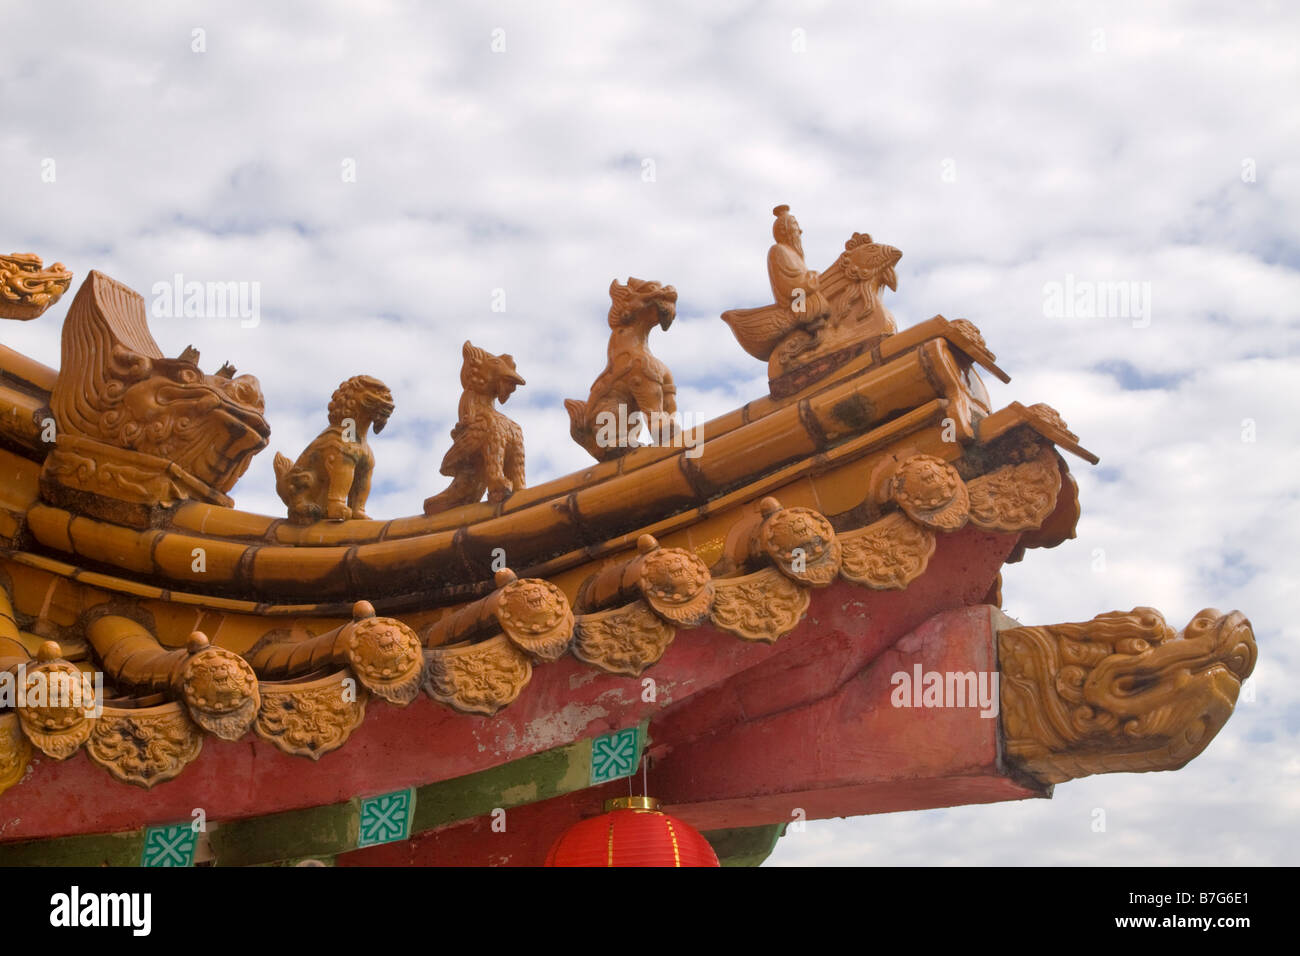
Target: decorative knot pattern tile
{"x":386,"y":818}
{"x":169,"y":846}
{"x":615,"y":755}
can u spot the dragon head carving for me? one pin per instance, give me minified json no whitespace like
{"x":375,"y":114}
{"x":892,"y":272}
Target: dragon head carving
{"x":641,"y":302}
{"x":26,"y":288}
{"x":145,"y":415}
{"x":364,"y":399}
{"x":489,"y":374}
{"x":1121,"y":692}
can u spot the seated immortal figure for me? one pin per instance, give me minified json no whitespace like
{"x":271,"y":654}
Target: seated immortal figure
{"x":795,"y":287}
{"x":795,"y":320}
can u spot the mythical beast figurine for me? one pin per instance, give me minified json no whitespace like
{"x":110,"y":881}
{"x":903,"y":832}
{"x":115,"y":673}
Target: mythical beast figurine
{"x":487,"y":448}
{"x":137,"y":430}
{"x":27,"y":289}
{"x":1122,"y":692}
{"x":331,"y":478}
{"x":635,"y":387}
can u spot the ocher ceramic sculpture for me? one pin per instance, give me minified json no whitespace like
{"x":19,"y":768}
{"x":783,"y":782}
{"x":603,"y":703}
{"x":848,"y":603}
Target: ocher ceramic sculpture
{"x":137,"y":431}
{"x":27,"y":289}
{"x":795,"y":320}
{"x":487,"y":448}
{"x":819,"y":321}
{"x":331,"y":478}
{"x":635,"y":387}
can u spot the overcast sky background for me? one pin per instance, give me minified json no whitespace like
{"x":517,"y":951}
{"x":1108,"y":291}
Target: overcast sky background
{"x":1000,"y":146}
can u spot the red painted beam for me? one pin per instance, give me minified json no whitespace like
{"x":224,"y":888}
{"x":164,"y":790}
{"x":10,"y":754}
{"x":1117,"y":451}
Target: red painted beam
{"x":847,"y":753}
{"x":566,"y":701}
{"x":854,"y":751}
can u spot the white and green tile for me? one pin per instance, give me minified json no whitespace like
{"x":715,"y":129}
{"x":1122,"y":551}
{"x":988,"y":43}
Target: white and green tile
{"x":169,"y":845}
{"x":615,"y":755}
{"x":386,"y":818}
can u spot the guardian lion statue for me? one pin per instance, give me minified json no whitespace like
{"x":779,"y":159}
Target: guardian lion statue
{"x":331,"y":478}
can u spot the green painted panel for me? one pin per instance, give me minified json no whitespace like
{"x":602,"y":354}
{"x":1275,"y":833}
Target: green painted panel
{"x":316,"y":831}
{"x":96,"y":849}
{"x":526,"y":780}
{"x":330,"y":830}
{"x":745,"y":846}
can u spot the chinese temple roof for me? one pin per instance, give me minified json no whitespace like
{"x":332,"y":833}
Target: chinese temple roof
{"x":875,"y":455}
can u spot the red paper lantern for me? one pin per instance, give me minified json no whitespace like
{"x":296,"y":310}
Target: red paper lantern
{"x":632,"y":832}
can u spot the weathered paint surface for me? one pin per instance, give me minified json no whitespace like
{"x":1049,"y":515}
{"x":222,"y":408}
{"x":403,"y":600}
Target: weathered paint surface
{"x":842,"y":751}
{"x":318,"y":831}
{"x":850,"y":752}
{"x":725,"y":681}
{"x":107,"y":849}
{"x":321,"y":832}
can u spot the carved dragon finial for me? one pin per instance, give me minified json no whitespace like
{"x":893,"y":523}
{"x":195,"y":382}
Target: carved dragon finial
{"x":27,"y":289}
{"x":136,"y":427}
{"x":635,"y":386}
{"x":1121,"y":692}
{"x":487,"y":448}
{"x":331,"y":478}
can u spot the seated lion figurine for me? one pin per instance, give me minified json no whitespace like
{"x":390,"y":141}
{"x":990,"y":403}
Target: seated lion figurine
{"x":331,"y":478}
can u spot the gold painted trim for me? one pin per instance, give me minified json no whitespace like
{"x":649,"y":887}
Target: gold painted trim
{"x":631,"y":803}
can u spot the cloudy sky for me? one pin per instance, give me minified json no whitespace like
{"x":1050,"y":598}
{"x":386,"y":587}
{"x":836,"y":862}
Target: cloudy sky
{"x":382,"y":170}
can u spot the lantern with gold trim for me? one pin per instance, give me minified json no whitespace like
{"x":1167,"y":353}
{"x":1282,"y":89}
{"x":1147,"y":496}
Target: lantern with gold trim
{"x":632,"y":831}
